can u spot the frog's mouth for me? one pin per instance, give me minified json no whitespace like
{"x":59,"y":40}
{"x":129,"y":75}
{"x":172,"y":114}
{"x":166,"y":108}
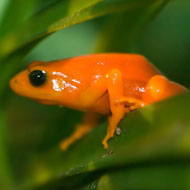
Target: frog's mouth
{"x":17,"y":84}
{"x":43,"y":101}
{"x":21,"y":86}
{"x":21,"y":89}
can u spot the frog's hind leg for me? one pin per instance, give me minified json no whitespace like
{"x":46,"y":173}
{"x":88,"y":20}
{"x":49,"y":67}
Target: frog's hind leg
{"x":89,"y":121}
{"x":159,"y":88}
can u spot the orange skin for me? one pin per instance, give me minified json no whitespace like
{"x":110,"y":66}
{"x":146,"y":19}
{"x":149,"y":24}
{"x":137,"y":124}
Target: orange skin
{"x":112,"y":84}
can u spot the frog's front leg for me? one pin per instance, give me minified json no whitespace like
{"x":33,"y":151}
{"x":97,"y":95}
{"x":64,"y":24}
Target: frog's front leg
{"x":112,"y":83}
{"x":89,"y":121}
{"x":115,"y":90}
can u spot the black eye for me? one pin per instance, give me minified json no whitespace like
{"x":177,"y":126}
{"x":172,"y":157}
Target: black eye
{"x":37,"y":77}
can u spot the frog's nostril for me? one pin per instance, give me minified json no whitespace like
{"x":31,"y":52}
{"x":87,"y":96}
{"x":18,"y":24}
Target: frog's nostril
{"x":15,"y":81}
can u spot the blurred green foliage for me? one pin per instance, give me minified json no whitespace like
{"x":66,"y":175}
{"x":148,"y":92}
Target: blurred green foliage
{"x":153,"y":149}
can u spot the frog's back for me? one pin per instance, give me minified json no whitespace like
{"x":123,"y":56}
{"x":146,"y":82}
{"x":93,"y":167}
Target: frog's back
{"x":89,"y":67}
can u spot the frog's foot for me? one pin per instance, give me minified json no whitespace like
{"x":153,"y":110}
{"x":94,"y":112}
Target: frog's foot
{"x":134,"y":102}
{"x":80,"y":131}
{"x":110,"y":132}
{"x":105,"y":141}
{"x":113,"y":122}
{"x":89,"y":121}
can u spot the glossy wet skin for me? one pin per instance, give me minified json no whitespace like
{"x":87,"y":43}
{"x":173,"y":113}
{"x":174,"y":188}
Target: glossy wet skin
{"x":67,"y":79}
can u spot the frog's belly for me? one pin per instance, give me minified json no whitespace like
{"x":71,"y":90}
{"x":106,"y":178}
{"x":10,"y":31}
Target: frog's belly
{"x":102,"y":105}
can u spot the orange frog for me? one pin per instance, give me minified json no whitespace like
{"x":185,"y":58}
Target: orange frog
{"x":111,"y":84}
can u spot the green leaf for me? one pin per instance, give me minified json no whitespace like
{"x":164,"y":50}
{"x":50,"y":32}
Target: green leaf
{"x":171,"y":175}
{"x":65,"y":13}
{"x":156,"y":133}
{"x":123,"y":30}
{"x":6,"y":180}
{"x":60,"y":15}
{"x":15,"y":15}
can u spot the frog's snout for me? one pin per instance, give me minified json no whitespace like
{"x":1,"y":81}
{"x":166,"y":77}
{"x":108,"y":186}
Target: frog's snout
{"x":14,"y":84}
{"x":17,"y":82}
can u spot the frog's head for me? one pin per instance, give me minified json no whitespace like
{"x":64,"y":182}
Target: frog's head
{"x":37,"y":82}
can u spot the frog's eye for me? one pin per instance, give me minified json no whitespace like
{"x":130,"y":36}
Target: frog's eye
{"x":37,"y":77}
